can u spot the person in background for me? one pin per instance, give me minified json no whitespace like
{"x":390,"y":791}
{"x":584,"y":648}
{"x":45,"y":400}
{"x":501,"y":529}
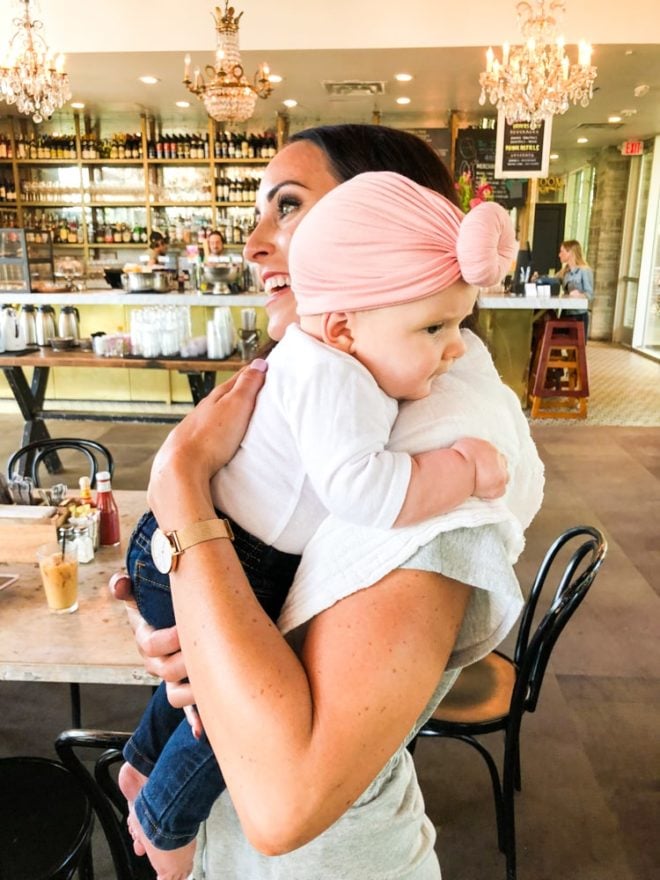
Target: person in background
{"x":330,"y":791}
{"x":158,"y":246}
{"x":577,"y":279}
{"x":214,"y":246}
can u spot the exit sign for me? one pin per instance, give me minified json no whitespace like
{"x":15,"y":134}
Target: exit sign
{"x":632,"y":148}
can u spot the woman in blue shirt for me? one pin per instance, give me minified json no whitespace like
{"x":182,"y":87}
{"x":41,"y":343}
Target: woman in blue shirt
{"x":577,"y":278}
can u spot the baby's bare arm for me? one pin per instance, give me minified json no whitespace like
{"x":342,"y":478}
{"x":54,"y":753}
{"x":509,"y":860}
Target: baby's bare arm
{"x":444,"y":478}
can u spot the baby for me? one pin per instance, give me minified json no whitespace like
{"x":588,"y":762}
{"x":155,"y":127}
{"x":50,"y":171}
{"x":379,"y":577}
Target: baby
{"x":317,"y":441}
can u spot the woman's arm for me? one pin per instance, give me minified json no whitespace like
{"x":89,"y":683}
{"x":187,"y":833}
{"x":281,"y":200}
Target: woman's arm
{"x":299,"y":739}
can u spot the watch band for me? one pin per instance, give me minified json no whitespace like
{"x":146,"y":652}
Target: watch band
{"x":197,"y":533}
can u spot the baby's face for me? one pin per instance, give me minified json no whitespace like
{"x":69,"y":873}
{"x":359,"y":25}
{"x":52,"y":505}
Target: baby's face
{"x":406,"y":346}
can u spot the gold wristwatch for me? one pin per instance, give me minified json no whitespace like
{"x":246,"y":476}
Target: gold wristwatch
{"x":166,"y":547}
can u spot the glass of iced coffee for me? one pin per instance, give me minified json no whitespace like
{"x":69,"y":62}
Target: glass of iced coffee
{"x":59,"y":575}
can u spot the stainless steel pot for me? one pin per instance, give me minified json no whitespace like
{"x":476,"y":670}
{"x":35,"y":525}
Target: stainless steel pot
{"x":135,"y":282}
{"x":225,"y":269}
{"x":163,"y":281}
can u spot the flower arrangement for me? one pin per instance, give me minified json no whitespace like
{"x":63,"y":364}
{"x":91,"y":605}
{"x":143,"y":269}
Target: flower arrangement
{"x":467,"y":196}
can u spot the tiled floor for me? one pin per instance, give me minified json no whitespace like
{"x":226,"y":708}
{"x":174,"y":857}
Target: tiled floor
{"x":590,"y":754}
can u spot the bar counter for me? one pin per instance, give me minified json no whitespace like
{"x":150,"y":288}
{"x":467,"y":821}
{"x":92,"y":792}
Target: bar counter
{"x":506,"y":322}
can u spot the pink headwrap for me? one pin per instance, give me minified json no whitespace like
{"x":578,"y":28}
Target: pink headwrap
{"x":381,"y":239}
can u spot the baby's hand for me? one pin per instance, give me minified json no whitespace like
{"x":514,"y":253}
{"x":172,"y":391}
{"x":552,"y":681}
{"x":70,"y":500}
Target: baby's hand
{"x":491,"y":475}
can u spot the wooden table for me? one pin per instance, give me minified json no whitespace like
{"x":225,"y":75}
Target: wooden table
{"x":94,"y":644}
{"x":30,"y":396}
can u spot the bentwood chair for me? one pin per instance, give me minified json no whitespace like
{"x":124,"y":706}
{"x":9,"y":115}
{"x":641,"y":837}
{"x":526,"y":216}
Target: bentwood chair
{"x":96,"y":456}
{"x":46,"y":822}
{"x":102,"y":791}
{"x":494,"y":693}
{"x":27,"y":460}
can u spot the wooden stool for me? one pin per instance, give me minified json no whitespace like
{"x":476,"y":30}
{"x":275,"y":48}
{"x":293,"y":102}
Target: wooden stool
{"x":559,"y":387}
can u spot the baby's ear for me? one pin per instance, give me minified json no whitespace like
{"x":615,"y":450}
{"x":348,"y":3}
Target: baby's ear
{"x":336,"y":331}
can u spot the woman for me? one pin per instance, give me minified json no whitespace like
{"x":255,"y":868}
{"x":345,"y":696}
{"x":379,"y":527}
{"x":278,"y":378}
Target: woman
{"x":577,"y":279}
{"x":158,"y":246}
{"x":321,"y":784}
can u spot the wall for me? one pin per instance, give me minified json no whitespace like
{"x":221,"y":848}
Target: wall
{"x":605,"y":236}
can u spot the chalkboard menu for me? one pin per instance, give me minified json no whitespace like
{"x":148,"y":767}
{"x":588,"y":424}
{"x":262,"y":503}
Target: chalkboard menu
{"x":475,"y":154}
{"x":437,"y":138}
{"x":523,"y":150}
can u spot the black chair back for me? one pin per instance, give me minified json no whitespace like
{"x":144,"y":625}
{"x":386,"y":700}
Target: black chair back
{"x":104,"y":794}
{"x":32,"y":455}
{"x":531,"y":656}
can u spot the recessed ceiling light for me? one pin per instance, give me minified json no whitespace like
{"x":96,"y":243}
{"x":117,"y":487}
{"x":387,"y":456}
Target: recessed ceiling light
{"x":642,"y":90}
{"x":274,"y":78}
{"x":554,"y":155}
{"x":403,"y":77}
{"x":403,"y":100}
{"x":628,"y":52}
{"x":614,"y":118}
{"x":183,"y":104}
{"x":290,"y":102}
{"x":149,"y":80}
{"x":583,"y":140}
{"x":77,"y":105}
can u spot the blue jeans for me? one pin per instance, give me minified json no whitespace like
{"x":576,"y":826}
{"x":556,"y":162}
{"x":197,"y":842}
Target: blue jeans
{"x":184,"y":777}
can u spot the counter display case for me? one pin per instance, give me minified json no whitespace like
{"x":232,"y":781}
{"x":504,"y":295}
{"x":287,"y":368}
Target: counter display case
{"x":26,"y":259}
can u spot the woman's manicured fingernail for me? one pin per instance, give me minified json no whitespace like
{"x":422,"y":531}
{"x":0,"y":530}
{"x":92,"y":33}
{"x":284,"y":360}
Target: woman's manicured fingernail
{"x":259,"y":364}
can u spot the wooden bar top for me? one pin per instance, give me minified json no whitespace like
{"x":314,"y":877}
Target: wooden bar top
{"x":95,"y":644}
{"x":46,"y":357}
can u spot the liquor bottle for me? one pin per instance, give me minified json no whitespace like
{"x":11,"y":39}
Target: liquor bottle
{"x":109,"y":513}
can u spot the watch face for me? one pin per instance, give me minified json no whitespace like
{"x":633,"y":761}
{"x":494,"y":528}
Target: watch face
{"x":161,"y":551}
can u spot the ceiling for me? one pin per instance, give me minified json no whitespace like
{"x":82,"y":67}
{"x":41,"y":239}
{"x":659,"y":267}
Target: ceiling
{"x":423,"y":42}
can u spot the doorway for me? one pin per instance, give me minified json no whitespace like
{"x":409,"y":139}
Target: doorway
{"x":549,"y":222}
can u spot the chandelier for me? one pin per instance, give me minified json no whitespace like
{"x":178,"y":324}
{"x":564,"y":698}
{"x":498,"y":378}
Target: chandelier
{"x":30,"y":75}
{"x":228,"y":95}
{"x":537,"y":80}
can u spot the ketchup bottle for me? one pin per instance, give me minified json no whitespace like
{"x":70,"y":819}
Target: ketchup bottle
{"x":109,"y":514}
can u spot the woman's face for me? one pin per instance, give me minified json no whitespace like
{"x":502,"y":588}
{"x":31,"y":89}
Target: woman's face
{"x":564,"y":254}
{"x":293,"y":181}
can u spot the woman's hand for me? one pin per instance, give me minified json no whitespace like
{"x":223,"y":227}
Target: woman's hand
{"x":161,"y":652}
{"x":202,"y":443}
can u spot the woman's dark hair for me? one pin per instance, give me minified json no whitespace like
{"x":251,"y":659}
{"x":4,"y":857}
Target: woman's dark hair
{"x":157,"y":238}
{"x":354,"y":149}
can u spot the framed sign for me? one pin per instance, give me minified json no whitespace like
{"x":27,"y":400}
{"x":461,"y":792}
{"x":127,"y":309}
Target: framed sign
{"x":522,"y":151}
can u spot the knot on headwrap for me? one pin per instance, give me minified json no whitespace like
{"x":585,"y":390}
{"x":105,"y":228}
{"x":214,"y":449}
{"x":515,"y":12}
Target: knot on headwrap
{"x":380,"y":239}
{"x":486,"y":244}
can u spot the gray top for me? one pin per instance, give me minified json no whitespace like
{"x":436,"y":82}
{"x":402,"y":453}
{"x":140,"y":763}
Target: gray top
{"x":385,"y":835}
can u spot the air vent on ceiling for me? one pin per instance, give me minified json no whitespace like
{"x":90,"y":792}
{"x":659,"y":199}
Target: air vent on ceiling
{"x":583,"y":126}
{"x":349,"y":89}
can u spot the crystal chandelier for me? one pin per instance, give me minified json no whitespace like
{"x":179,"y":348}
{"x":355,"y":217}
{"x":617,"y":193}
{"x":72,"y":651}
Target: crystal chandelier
{"x":537,"y":80}
{"x":30,"y":75}
{"x":228,"y":94}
